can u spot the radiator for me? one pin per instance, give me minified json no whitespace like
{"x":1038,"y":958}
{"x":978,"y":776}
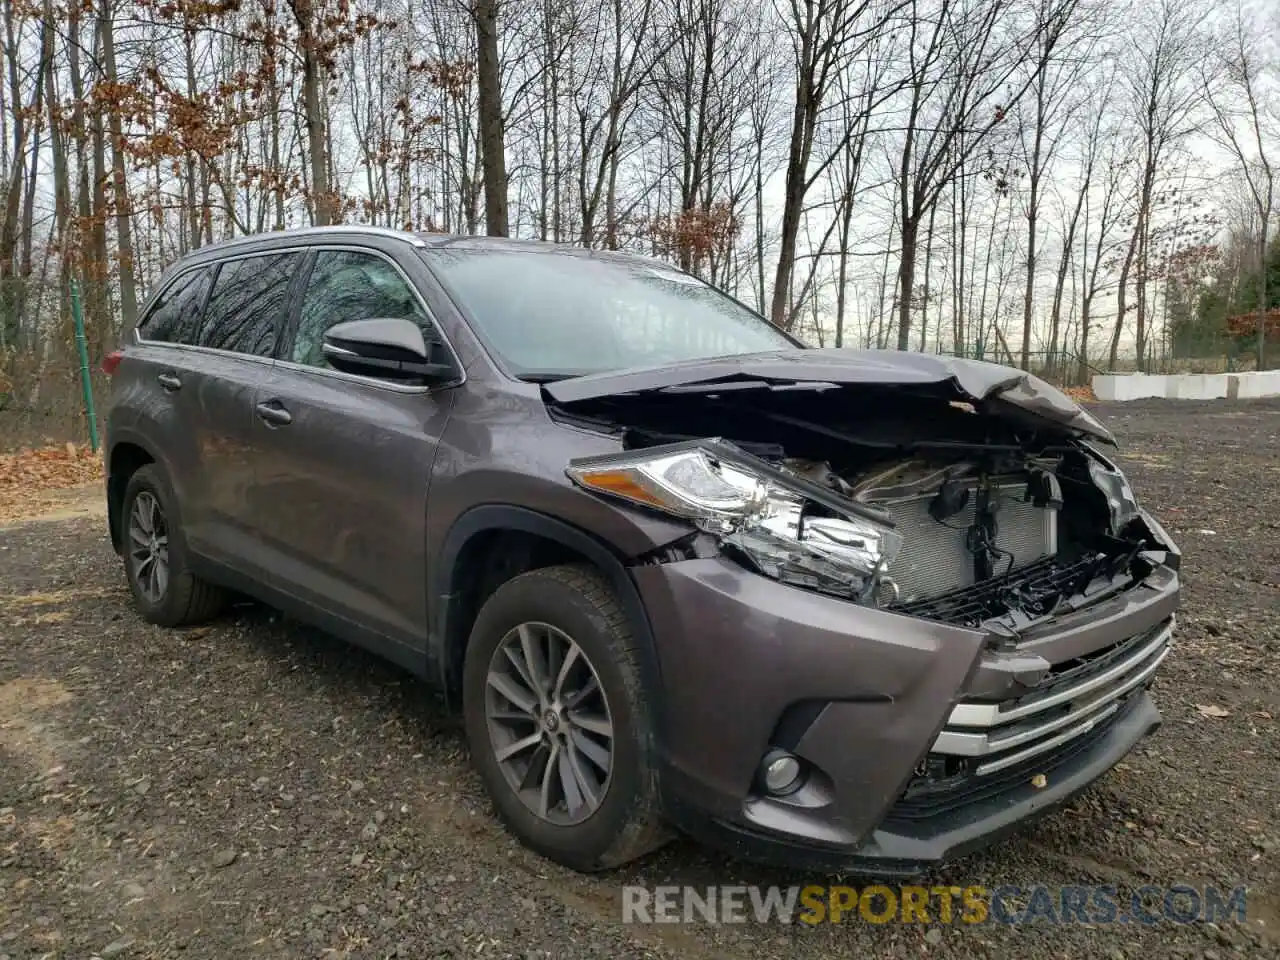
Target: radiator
{"x":934,"y":558}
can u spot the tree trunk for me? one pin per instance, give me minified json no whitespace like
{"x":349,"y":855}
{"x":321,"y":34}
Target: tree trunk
{"x":1082,"y":362}
{"x":928,"y":260}
{"x":793,"y":202}
{"x":906,"y":279}
{"x":11,"y":296}
{"x":1064,"y":265}
{"x":323,"y":212}
{"x":192,"y":237}
{"x":124,"y":229}
{"x":492,"y":139}
{"x":1122,"y":291}
{"x":1033,"y":213}
{"x":1029,"y":295}
{"x":842,"y":270}
{"x":61,"y":186}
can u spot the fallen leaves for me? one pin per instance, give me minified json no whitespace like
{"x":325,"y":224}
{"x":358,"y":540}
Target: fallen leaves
{"x":30,"y":480}
{"x":63,"y":465}
{"x":45,"y":599}
{"x":1212,"y":711}
{"x":1081,"y":394}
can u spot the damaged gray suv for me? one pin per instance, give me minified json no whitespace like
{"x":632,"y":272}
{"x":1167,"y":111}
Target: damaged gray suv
{"x":840,"y":609}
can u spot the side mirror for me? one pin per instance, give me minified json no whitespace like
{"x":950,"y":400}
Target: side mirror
{"x":389,"y":348}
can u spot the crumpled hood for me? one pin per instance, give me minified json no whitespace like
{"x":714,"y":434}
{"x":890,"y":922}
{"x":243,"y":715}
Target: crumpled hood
{"x":975,"y":381}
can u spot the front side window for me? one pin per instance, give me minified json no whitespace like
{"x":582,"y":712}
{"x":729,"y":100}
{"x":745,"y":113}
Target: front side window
{"x":349,"y":285}
{"x":175,"y":316}
{"x":250,"y":300}
{"x":549,"y":313}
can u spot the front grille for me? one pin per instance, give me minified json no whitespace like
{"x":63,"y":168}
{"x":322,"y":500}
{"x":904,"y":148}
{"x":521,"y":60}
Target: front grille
{"x":1036,"y":585}
{"x":1073,"y":701}
{"x":947,"y":791}
{"x":1072,"y":673}
{"x":935,"y":557}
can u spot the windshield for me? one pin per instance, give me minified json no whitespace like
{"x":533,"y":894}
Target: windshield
{"x":550,"y":314}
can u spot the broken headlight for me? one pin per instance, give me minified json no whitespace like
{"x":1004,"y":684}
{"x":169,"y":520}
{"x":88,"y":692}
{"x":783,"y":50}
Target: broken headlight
{"x":786,"y":527}
{"x":1121,"y":503}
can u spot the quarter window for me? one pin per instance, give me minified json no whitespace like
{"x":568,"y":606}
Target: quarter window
{"x":175,"y":315}
{"x":348,"y":285}
{"x":250,"y":300}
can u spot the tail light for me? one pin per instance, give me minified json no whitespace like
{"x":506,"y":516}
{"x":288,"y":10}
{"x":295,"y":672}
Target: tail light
{"x":111,"y":361}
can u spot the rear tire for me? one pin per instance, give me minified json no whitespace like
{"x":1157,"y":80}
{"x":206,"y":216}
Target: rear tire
{"x":164,"y":589}
{"x":612,"y":777}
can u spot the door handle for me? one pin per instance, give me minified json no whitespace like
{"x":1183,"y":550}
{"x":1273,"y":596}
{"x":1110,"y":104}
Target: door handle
{"x":169,"y":381}
{"x":274,"y":414}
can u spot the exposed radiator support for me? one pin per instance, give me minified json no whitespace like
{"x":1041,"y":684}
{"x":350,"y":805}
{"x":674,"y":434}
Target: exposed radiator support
{"x":936,"y":556}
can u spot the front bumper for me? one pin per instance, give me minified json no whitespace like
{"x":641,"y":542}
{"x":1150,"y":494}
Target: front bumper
{"x":871,"y":701}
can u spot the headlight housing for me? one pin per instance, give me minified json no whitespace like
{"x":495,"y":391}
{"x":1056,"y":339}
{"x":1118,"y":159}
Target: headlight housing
{"x":1122,"y":505}
{"x":783,"y":525}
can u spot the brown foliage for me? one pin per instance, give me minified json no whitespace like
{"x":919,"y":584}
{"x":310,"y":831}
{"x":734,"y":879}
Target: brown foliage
{"x":64,"y":465}
{"x":1246,"y":325}
{"x":694,"y":235}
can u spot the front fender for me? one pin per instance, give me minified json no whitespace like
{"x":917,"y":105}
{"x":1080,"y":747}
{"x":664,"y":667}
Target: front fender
{"x":445,"y":586}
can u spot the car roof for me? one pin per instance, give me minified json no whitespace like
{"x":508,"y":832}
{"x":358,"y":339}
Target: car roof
{"x":424,"y":241}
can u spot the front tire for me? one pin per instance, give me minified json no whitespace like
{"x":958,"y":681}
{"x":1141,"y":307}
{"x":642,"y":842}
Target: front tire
{"x":164,"y":589}
{"x":557,"y":720}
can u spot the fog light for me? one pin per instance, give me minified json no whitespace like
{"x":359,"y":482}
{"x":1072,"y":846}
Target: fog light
{"x":781,"y":772}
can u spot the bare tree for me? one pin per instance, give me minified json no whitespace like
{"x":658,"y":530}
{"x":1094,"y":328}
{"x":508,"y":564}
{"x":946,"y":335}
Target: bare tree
{"x":492,"y":137}
{"x":119,"y":176}
{"x":825,"y":36}
{"x":1163,"y":98}
{"x":1077,"y":213}
{"x":1234,"y":88}
{"x":965,"y":74}
{"x":1056,"y":64}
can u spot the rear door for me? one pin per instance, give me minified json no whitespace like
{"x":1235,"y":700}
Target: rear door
{"x":246,"y":313}
{"x":202,"y":351}
{"x":348,"y":459}
{"x":148,"y":402}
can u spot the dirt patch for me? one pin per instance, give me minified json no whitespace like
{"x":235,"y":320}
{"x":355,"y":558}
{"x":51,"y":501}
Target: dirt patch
{"x":26,"y":730}
{"x":40,"y":598}
{"x":71,"y":503}
{"x":256,"y":788}
{"x":74,"y":498}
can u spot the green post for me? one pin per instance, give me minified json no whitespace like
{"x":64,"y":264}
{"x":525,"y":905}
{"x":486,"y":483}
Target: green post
{"x":85,"y":382}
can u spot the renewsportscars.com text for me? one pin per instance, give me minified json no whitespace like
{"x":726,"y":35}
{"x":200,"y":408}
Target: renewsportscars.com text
{"x":816,"y":904}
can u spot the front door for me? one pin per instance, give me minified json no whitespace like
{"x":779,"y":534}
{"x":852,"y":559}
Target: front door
{"x":346,"y":462}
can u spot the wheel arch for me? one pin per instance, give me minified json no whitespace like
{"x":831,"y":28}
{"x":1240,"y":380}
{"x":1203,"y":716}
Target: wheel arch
{"x":480,"y":532}
{"x":128,"y":454}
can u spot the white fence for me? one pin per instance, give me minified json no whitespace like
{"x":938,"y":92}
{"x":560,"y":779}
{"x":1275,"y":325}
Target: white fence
{"x":1187,"y":386}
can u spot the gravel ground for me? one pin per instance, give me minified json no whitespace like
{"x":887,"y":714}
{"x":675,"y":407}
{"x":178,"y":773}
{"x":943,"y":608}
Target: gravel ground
{"x":256,"y":788}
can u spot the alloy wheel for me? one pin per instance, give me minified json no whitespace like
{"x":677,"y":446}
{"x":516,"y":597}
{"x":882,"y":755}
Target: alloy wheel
{"x":149,"y":546}
{"x":549,"y":723}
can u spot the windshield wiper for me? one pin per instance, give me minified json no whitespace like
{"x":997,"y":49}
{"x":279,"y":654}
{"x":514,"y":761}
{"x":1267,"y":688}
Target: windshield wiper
{"x":549,"y":376}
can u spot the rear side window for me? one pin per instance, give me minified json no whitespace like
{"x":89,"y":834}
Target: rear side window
{"x":175,"y":315}
{"x":250,"y":300}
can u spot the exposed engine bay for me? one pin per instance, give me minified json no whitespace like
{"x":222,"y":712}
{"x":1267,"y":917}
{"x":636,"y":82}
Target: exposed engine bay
{"x":939,"y":508}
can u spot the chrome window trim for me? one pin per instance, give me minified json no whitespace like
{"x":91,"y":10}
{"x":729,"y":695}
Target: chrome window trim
{"x":367,"y":381}
{"x":339,"y":246}
{"x":208,"y":351}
